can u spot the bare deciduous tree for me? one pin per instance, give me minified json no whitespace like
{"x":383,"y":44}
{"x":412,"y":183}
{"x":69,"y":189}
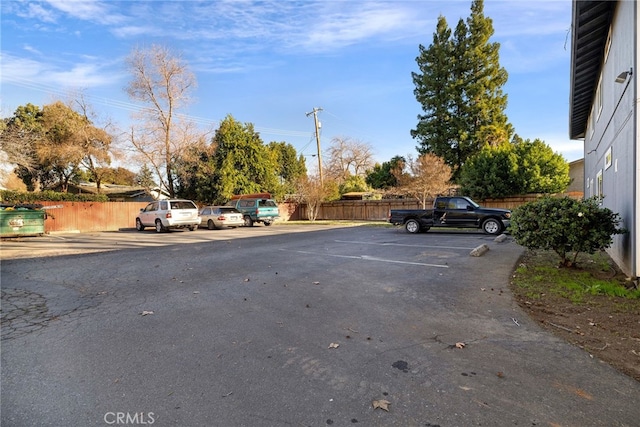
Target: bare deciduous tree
{"x":427,"y":176}
{"x":348,"y":157}
{"x":313,"y":192}
{"x":163,"y":82}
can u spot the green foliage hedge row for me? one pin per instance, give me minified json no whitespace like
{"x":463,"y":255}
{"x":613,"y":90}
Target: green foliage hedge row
{"x":7,"y":196}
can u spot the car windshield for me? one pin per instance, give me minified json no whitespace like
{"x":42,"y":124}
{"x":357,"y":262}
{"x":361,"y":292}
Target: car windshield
{"x":471,"y":202}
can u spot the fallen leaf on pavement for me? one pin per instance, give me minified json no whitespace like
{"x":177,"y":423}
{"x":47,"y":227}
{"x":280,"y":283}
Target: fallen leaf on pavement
{"x":460,"y":345}
{"x":334,"y":345}
{"x":145,"y":312}
{"x":382,"y":404}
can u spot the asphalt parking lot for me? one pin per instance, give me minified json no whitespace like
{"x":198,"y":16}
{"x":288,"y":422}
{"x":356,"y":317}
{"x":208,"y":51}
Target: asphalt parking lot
{"x":285,"y":325}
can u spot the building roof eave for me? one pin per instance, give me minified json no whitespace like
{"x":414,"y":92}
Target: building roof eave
{"x":590,"y":24}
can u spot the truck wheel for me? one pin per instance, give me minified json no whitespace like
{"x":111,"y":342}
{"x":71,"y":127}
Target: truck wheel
{"x":412,"y":226}
{"x":267,"y":223}
{"x":248,"y":222}
{"x":492,"y":226}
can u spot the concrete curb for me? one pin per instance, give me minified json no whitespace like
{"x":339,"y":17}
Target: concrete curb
{"x":479,"y":251}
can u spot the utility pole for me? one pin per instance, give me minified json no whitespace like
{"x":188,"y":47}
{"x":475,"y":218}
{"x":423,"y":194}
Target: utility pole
{"x":315,"y":118}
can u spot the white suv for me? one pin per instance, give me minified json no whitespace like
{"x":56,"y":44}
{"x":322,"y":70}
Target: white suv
{"x":168,"y":214}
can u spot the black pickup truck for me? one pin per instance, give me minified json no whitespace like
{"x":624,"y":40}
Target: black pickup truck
{"x":455,"y":211}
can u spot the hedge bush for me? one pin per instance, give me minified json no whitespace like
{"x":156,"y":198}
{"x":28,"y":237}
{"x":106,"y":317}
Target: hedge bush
{"x":566,"y":226}
{"x":16,"y":197}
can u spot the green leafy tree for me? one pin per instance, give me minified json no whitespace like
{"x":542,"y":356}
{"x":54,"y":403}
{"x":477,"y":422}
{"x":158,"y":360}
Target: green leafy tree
{"x":459,"y":86}
{"x":19,"y":136}
{"x":382,"y":177}
{"x":71,"y":141}
{"x":81,"y":175}
{"x":195,"y":168}
{"x":289,"y":166}
{"x":540,"y":169}
{"x":94,"y":142}
{"x":491,"y":173}
{"x":354,"y":183}
{"x":521,"y":167}
{"x":243,"y":164}
{"x":566,"y":226}
{"x":144,"y":178}
{"x":50,"y":145}
{"x":118,"y":176}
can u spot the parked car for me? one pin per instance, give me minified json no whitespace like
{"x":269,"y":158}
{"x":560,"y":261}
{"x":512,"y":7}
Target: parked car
{"x":168,"y":214}
{"x":217,"y":217}
{"x":256,"y":209}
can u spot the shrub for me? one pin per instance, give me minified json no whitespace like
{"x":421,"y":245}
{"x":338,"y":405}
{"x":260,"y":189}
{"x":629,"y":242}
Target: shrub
{"x":565,"y":226}
{"x":8,"y":197}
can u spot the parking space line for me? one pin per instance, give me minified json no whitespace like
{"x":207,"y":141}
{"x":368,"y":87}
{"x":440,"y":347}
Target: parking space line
{"x":404,"y":245}
{"x":368,"y":258}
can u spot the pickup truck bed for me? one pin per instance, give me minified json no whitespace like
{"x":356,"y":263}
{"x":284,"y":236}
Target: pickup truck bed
{"x":457,"y":211}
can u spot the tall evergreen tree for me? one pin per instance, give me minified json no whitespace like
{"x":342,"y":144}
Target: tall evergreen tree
{"x":289,"y":167}
{"x":459,"y":86}
{"x":433,"y":90}
{"x":243,"y":164}
{"x":487,"y":102}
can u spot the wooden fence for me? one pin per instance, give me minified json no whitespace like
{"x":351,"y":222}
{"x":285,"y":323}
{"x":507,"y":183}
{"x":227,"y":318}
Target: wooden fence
{"x":372,"y":210}
{"x":90,"y":216}
{"x":110,"y":216}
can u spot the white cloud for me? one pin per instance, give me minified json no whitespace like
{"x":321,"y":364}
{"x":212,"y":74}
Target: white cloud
{"x":339,"y":29}
{"x":94,"y":11}
{"x":529,"y":18}
{"x":23,"y":71}
{"x":35,"y":10}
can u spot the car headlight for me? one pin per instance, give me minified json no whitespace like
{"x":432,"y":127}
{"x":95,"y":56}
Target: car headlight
{"x":507,"y":215}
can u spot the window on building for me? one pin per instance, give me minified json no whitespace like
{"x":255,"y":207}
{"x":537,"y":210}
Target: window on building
{"x":598,"y":100}
{"x":599,"y":185}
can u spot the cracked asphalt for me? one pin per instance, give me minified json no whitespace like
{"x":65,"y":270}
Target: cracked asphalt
{"x":282,"y":326}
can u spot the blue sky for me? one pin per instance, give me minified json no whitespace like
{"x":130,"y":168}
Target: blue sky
{"x":271,"y":62}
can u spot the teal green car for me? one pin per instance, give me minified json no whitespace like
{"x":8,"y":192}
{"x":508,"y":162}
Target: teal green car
{"x":256,"y":210}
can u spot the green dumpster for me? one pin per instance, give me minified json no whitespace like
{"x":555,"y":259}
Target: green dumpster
{"x":21,"y":221}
